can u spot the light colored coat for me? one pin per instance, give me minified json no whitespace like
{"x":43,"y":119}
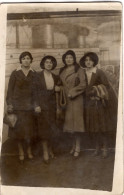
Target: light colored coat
{"x":74,"y":85}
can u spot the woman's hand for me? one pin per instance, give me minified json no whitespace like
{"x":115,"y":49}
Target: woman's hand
{"x":9,"y":108}
{"x":37,"y":109}
{"x":69,"y":96}
{"x":57,"y":88}
{"x":91,"y":92}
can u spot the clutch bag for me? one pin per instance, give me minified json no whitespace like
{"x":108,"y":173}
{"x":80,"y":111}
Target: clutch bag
{"x":10,"y":119}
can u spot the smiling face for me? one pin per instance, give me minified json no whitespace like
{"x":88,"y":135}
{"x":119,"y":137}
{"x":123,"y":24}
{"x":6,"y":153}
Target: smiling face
{"x":26,"y":61}
{"x":89,"y":62}
{"x":69,"y":60}
{"x":48,"y":65}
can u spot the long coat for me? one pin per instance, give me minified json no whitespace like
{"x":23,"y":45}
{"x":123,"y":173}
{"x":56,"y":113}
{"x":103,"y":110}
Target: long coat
{"x":74,"y":85}
{"x":46,"y":99}
{"x":100,"y":117}
{"x":20,"y":96}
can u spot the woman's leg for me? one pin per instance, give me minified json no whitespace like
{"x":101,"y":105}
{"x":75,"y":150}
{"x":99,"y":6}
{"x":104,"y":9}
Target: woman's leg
{"x":105,"y":145}
{"x":97,"y":144}
{"x":21,"y":151}
{"x":51,"y":151}
{"x":29,"y":152}
{"x":28,"y":147}
{"x":45,"y":151}
{"x":77,"y":145}
{"x":73,"y":144}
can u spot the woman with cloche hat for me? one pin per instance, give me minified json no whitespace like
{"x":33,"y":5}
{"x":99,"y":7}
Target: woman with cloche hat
{"x":46,"y":105}
{"x":73,"y":79}
{"x":100,"y":103}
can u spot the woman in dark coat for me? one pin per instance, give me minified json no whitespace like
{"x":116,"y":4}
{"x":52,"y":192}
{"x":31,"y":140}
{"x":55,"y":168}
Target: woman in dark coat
{"x":73,"y":79}
{"x":46,"y":104}
{"x":100,"y":103}
{"x":20,"y":101}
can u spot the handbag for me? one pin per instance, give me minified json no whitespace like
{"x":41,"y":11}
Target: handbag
{"x":10,"y":119}
{"x":60,"y":104}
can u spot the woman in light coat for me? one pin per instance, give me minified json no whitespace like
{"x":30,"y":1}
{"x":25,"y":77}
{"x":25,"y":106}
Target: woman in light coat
{"x":73,"y":79}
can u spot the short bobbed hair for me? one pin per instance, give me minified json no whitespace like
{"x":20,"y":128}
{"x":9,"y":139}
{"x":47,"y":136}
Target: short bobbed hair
{"x":53,"y":60}
{"x":93,"y":56}
{"x":23,"y":54}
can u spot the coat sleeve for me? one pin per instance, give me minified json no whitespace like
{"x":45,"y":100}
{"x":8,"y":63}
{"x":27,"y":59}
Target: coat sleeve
{"x":80,"y":84}
{"x":35,"y":90}
{"x":10,"y":91}
{"x":103,"y":79}
{"x":58,"y":80}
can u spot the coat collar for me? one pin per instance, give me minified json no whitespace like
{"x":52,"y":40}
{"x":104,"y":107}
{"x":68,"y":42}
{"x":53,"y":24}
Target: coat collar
{"x":42,"y":78}
{"x":93,"y":76}
{"x":93,"y":70}
{"x":67,"y":73}
{"x":20,"y":68}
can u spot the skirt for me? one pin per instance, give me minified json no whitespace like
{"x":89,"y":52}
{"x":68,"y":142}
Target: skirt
{"x":24,"y":128}
{"x":99,"y":118}
{"x":47,"y":128}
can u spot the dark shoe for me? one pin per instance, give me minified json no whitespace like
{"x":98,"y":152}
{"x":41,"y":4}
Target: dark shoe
{"x":72,"y":151}
{"x":46,"y":161}
{"x":52,"y":155}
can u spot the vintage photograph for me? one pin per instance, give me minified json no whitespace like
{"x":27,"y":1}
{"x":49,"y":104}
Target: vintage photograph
{"x":62,"y":76}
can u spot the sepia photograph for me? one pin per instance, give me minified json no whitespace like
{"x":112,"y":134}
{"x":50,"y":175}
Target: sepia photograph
{"x":62,"y":110}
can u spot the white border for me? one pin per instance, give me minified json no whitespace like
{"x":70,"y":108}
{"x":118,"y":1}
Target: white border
{"x":118,"y":168}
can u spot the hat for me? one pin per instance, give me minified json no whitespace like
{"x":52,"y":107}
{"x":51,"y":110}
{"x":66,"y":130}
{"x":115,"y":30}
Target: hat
{"x":69,"y":52}
{"x":48,"y":57}
{"x":93,"y":57}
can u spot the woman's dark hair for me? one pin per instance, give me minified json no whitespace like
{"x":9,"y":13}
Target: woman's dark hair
{"x":72,"y":53}
{"x":23,"y":54}
{"x":53,"y":60}
{"x":93,"y":56}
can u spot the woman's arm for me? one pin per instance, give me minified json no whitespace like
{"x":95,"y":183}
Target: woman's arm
{"x":36,"y":93}
{"x":102,"y":79}
{"x":101,"y":87}
{"x":10,"y":91}
{"x":78,"y":89}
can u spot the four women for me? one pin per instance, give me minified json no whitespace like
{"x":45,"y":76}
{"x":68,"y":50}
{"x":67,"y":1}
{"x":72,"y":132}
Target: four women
{"x":89,"y":102}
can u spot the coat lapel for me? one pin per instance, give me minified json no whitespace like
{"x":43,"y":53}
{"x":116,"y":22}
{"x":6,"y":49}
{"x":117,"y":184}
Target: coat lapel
{"x":65,"y":75}
{"x":93,"y":79}
{"x":54,"y":78}
{"x":42,"y":80}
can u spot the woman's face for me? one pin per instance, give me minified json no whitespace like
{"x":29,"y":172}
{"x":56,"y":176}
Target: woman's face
{"x":69,"y":60}
{"x":88,"y":62}
{"x":26,"y":61}
{"x":48,"y":64}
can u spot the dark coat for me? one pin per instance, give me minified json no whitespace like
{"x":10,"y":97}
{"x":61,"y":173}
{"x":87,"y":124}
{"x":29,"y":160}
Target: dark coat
{"x":20,"y":90}
{"x":100,"y":117}
{"x":20,"y":95}
{"x":46,"y":99}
